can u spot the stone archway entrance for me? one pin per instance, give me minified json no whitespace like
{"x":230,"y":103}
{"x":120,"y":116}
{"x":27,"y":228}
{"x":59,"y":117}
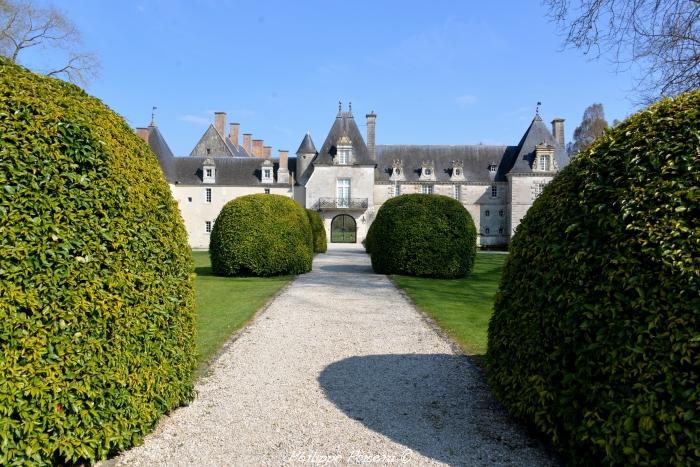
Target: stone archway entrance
{"x":343,"y":229}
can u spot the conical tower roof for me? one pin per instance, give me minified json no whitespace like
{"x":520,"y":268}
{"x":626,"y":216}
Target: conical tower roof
{"x":307,"y":146}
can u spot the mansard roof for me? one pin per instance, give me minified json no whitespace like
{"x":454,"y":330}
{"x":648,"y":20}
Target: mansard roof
{"x":536,"y":133}
{"x":235,"y":171}
{"x":344,"y":125}
{"x":476,"y":159}
{"x":307,"y":145}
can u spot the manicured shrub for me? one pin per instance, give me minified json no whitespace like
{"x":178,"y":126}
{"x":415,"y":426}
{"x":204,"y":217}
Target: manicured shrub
{"x":595,"y":336}
{"x":96,"y":294}
{"x":261,"y":235}
{"x":318,"y":231}
{"x":422,"y":235}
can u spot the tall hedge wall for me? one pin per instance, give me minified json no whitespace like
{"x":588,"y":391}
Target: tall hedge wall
{"x":261,"y":235}
{"x":595,"y":337}
{"x":422,"y":235}
{"x":96,"y":296}
{"x":318,"y":231}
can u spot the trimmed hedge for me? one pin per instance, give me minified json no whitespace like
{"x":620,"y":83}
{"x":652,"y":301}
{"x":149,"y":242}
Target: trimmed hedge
{"x":422,"y":235}
{"x":261,"y":235}
{"x":318,"y":231}
{"x":595,"y":337}
{"x":96,"y":299}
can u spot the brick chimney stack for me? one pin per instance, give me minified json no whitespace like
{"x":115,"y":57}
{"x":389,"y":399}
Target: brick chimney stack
{"x":142,"y":133}
{"x":258,"y":147}
{"x":247,"y":143}
{"x":233,"y":134}
{"x":267,"y":151}
{"x":283,"y":169}
{"x":220,"y":122}
{"x":558,"y":131}
{"x":371,"y":125}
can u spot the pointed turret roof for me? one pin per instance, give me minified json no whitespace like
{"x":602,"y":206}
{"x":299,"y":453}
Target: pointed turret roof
{"x":307,"y":145}
{"x":536,"y":133}
{"x":344,"y":126}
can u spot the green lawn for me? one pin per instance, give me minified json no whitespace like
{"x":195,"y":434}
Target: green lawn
{"x":225,"y":304}
{"x":462,"y":307}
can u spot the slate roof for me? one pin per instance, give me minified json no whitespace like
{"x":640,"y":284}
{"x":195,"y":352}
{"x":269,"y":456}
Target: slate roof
{"x":536,"y":133}
{"x":476,"y":160}
{"x":307,"y":145}
{"x":235,"y":171}
{"x":230,"y":150}
{"x":162,"y":151}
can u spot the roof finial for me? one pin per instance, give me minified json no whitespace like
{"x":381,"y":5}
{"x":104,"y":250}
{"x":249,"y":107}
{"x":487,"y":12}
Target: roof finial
{"x":340,"y":107}
{"x":350,"y":107}
{"x":153,"y":116}
{"x":537,"y":109}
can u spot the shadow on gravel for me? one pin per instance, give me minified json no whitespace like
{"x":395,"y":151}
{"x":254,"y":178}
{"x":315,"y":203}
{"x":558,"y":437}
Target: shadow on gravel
{"x":438,"y":405}
{"x":349,"y":268}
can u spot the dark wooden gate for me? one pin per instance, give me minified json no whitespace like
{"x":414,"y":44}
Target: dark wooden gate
{"x":343,"y":229}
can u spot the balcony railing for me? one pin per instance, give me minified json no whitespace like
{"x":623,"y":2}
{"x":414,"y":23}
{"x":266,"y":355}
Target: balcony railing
{"x":342,"y":203}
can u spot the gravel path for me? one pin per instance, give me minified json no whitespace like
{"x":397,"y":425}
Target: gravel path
{"x":339,"y":369}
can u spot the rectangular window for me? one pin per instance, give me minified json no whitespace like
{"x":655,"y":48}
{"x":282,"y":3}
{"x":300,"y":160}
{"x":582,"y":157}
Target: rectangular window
{"x":267,"y":174}
{"x":426,"y":189}
{"x":343,"y":156}
{"x":207,"y":226}
{"x":207,"y":195}
{"x":538,"y":188}
{"x":342,"y":191}
{"x":493,"y":168}
{"x":267,"y":191}
{"x":494,"y":191}
{"x":456,"y":192}
{"x":397,"y":192}
{"x":209,"y":173}
{"x":544,"y":163}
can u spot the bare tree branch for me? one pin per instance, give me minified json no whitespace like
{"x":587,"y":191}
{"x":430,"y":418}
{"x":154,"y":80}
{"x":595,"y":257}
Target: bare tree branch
{"x":24,"y":26}
{"x":660,"y":37}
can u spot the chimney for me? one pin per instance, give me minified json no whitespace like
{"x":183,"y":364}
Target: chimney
{"x":233,"y":134}
{"x":267,"y":151}
{"x":247,"y":145}
{"x":283,"y":169}
{"x":142,"y":133}
{"x":220,"y":122}
{"x":558,"y":131}
{"x":257,"y":147}
{"x":371,"y":124}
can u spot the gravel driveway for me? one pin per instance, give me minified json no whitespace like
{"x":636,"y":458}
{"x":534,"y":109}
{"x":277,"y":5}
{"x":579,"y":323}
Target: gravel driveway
{"x":339,"y":369}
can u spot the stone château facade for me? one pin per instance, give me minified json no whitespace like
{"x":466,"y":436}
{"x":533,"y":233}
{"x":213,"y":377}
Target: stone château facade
{"x":348,"y":179}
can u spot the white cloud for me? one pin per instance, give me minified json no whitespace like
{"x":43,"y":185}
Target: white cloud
{"x":466,"y":100}
{"x":195,"y":119}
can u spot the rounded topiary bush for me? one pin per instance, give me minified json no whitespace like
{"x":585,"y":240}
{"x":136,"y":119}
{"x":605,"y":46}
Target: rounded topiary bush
{"x":96,"y":294}
{"x":261,"y":235}
{"x":318,"y":231}
{"x":422,"y":235}
{"x":595,"y":336}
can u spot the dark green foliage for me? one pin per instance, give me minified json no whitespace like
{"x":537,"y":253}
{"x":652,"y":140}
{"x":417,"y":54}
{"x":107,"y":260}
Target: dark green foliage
{"x":318,"y":231}
{"x":595,"y":337}
{"x":422,"y":235}
{"x":261,"y":235}
{"x":96,"y":295}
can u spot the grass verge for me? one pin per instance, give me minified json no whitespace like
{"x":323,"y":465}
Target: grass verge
{"x":226,"y":304}
{"x":461,"y":307}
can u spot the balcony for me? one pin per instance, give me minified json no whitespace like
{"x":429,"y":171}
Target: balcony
{"x":341,"y":203}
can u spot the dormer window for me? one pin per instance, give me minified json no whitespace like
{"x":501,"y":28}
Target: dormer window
{"x":427,"y":171}
{"x":457,"y":171}
{"x":493,"y":168}
{"x":208,"y":171}
{"x":344,"y":151}
{"x":266,"y":172}
{"x":397,"y":170}
{"x":544,"y":158}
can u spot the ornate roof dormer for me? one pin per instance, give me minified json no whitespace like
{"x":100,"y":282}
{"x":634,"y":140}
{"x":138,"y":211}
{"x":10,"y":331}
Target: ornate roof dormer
{"x":208,"y":171}
{"x":544,"y":160}
{"x":343,"y":154}
{"x":457,"y":171}
{"x":397,"y":172}
{"x":267,"y":172}
{"x":427,"y":172}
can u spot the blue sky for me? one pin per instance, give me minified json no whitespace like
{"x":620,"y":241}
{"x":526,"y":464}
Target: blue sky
{"x":437,"y":72}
